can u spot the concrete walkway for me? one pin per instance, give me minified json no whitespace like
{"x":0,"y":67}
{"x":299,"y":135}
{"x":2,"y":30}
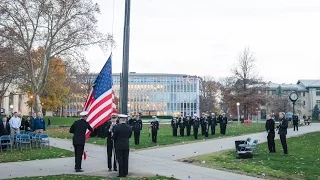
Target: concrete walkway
{"x":142,"y":163}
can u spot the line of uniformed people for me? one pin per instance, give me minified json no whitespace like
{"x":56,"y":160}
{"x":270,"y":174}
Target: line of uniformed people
{"x":205,"y":123}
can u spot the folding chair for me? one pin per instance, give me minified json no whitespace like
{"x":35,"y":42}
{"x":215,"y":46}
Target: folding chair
{"x":5,"y":141}
{"x":17,"y":140}
{"x":25,"y":140}
{"x":247,"y":142}
{"x":44,"y":139}
{"x":22,"y":132}
{"x":33,"y":139}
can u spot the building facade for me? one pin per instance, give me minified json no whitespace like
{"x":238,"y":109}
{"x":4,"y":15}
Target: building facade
{"x":161,"y":94}
{"x":309,"y":96}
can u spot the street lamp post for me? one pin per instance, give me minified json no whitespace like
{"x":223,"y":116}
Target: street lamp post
{"x":238,"y":110}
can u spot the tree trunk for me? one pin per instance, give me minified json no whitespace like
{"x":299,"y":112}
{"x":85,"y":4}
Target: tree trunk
{"x":37,"y":103}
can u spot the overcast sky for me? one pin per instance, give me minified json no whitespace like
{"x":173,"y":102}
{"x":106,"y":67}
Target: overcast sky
{"x":204,"y":37}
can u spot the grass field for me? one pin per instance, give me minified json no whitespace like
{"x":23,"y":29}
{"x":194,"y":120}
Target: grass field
{"x":302,"y":162}
{"x":85,"y":177}
{"x":165,"y":135}
{"x":33,"y":154}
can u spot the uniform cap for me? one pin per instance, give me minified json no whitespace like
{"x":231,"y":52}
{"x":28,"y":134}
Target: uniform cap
{"x":195,"y":115}
{"x":122,"y":116}
{"x":154,"y":116}
{"x":114,"y":115}
{"x":84,"y":113}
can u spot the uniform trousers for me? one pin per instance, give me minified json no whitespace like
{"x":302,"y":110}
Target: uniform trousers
{"x":174,"y":131}
{"x":213,"y":129}
{"x":188,"y":131}
{"x":283,"y":140}
{"x":123,"y":160}
{"x":136,"y":137}
{"x":195,"y":133}
{"x":110,"y":151}
{"x":78,"y":152}
{"x":181,"y":131}
{"x":154,"y":136}
{"x":295,"y":125}
{"x":271,"y":144}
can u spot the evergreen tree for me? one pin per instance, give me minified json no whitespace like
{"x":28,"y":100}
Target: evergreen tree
{"x":315,"y":112}
{"x":279,"y":91}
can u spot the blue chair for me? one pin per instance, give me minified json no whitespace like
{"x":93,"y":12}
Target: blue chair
{"x":17,"y":140}
{"x":44,"y":139}
{"x":33,"y":139}
{"x":5,"y":141}
{"x":25,"y":140}
{"x":22,"y":132}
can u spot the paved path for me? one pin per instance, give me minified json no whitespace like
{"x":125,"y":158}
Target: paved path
{"x":145,"y":162}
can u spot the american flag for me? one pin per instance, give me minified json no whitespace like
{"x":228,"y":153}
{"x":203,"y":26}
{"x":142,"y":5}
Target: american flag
{"x":100,"y":103}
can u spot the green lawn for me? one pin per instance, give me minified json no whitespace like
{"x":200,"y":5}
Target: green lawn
{"x":60,"y":121}
{"x":33,"y":154}
{"x":165,"y":135}
{"x":302,"y":162}
{"x":75,"y":177}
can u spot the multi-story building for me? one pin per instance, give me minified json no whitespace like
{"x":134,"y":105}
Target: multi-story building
{"x":161,"y":94}
{"x":308,"y":91}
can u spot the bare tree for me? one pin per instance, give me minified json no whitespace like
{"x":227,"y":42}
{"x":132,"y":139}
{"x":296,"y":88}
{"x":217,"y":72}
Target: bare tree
{"x":209,"y":90}
{"x":61,"y":27}
{"x":245,"y":86}
{"x":9,"y":68}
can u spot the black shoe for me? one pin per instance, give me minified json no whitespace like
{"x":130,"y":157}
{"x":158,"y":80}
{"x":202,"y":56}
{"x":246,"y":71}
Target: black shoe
{"x":109,"y":170}
{"x":79,"y":170}
{"x":115,"y":170}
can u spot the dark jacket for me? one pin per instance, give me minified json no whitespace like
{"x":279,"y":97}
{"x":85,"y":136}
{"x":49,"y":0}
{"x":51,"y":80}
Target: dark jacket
{"x":27,"y":124}
{"x":188,"y":123}
{"x":154,"y":125}
{"x":38,"y":123}
{"x":4,"y":130}
{"x":174,"y":123}
{"x":283,"y":126}
{"x":270,"y":125}
{"x":137,"y":125}
{"x":212,"y":121}
{"x":121,"y":135}
{"x":23,"y":121}
{"x":295,"y":119}
{"x":196,"y":123}
{"x":182,"y":123}
{"x":224,"y":121}
{"x":79,"y":129}
{"x":109,"y":133}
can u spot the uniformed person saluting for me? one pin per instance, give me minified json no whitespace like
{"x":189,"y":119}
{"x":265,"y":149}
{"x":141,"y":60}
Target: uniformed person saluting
{"x":137,"y":127}
{"x":283,"y":126}
{"x":174,"y":125}
{"x":295,"y":122}
{"x":213,"y":123}
{"x":195,"y":124}
{"x":79,"y":129}
{"x":181,"y":125}
{"x":188,"y":123}
{"x":154,"y":129}
{"x":206,"y":126}
{"x":110,"y":143}
{"x":121,"y":135}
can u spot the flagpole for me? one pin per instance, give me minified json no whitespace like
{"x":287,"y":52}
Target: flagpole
{"x":125,"y":59}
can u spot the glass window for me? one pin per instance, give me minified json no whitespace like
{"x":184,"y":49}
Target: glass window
{"x":318,"y":92}
{"x":318,"y":102}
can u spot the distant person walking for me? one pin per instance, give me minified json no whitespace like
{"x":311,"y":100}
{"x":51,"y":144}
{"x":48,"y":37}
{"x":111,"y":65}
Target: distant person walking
{"x":79,"y":129}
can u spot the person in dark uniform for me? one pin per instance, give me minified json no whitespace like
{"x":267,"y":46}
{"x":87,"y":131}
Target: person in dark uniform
{"x":4,"y":130}
{"x":223,"y":124}
{"x":154,"y":129}
{"x":271,"y":134}
{"x":206,"y":126}
{"x":22,"y":121}
{"x":195,"y":124}
{"x":174,"y":125}
{"x":121,"y":135}
{"x":295,"y":122}
{"x":137,"y":127}
{"x":202,"y":123}
{"x":213,"y":123}
{"x":188,"y":123}
{"x":282,"y":131}
{"x":181,"y":125}
{"x":130,"y":120}
{"x":110,"y":143}
{"x":79,"y":129}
